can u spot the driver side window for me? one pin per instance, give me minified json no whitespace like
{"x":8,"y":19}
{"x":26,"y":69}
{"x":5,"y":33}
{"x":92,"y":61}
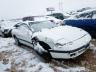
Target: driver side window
{"x":24,"y":28}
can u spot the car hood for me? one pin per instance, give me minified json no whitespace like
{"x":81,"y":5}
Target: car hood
{"x":62,"y":34}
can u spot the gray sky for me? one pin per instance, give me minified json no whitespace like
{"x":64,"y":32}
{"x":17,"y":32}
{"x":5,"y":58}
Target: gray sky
{"x":19,"y":8}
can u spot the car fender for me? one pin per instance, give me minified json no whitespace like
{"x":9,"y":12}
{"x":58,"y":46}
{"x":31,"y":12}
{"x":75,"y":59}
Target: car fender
{"x":46,"y":40}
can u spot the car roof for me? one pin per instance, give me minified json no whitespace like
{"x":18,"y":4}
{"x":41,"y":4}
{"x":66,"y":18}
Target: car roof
{"x":27,"y":22}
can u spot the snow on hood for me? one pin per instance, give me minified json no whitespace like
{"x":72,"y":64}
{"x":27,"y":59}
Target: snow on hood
{"x":62,"y":34}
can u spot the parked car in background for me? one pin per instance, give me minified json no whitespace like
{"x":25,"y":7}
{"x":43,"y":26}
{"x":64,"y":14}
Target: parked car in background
{"x":55,"y":20}
{"x":42,"y":18}
{"x":6,"y":28}
{"x":60,"y":42}
{"x":87,"y":14}
{"x":57,"y":15}
{"x":87,"y":24}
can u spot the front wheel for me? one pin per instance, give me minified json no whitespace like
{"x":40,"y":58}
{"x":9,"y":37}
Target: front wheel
{"x":17,"y":41}
{"x":46,"y":47}
{"x":41,"y":47}
{"x":37,"y":47}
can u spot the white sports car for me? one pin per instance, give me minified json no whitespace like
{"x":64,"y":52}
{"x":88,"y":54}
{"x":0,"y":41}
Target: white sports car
{"x":61,"y":42}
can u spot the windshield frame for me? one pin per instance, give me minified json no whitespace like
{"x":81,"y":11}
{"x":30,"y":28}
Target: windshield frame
{"x":42,"y":27}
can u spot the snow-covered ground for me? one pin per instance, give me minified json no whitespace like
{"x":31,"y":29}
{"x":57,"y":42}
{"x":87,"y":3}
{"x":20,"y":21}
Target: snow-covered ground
{"x":15,"y":58}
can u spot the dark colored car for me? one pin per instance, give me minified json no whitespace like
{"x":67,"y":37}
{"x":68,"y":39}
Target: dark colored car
{"x":57,"y":15}
{"x":87,"y":24}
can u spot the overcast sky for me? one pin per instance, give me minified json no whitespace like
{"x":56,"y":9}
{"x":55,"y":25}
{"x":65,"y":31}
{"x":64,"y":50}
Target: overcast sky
{"x":19,"y":8}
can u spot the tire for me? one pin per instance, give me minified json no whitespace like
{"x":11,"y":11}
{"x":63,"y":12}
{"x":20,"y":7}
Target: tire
{"x":17,"y":41}
{"x":46,"y":47}
{"x":36,"y":45}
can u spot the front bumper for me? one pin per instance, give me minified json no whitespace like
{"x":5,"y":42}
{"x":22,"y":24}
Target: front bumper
{"x":69,"y":54}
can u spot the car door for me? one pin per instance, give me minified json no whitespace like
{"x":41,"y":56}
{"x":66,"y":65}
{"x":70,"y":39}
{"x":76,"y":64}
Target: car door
{"x":24,"y":33}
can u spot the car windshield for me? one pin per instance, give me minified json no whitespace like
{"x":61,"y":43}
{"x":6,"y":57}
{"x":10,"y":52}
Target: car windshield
{"x":38,"y":26}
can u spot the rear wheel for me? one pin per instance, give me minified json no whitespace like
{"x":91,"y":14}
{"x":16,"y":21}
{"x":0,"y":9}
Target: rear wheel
{"x":17,"y":41}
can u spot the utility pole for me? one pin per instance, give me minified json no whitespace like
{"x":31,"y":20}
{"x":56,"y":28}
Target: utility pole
{"x":61,"y":5}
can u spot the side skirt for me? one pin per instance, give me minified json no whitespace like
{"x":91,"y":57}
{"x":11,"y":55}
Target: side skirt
{"x":26,"y":43}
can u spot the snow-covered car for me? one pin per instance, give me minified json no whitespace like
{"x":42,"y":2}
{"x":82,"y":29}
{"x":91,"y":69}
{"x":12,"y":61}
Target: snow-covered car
{"x":55,"y":20}
{"x":57,"y":15}
{"x":43,"y":18}
{"x":87,"y":14}
{"x":61,"y":42}
{"x":6,"y":27}
{"x":88,"y":25}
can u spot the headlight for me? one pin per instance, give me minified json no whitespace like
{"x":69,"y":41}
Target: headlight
{"x":70,"y":43}
{"x":59,"y":45}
